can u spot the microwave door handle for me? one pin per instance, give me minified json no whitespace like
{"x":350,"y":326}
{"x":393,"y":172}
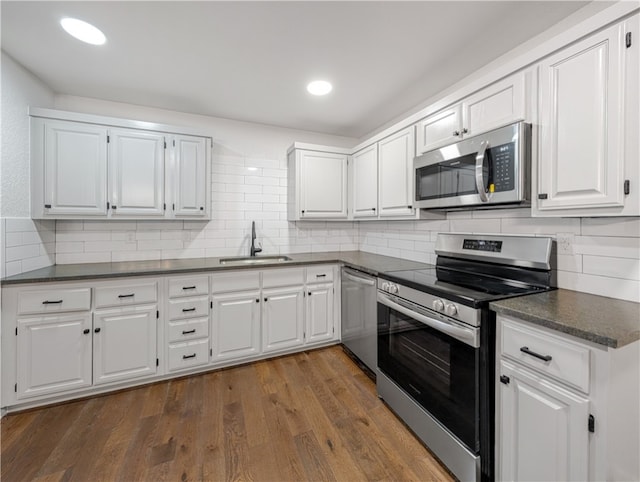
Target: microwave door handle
{"x":465,"y":335}
{"x":484,"y":145}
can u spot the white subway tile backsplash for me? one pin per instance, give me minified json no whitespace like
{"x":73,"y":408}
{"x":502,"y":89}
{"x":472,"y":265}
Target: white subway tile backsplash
{"x":71,"y":258}
{"x":475,"y":225}
{"x":611,"y":227}
{"x":615,"y":247}
{"x":17,"y":253}
{"x":628,"y":269}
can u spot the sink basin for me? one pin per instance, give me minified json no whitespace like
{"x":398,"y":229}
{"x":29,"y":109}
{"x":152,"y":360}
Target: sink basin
{"x":254,"y":260}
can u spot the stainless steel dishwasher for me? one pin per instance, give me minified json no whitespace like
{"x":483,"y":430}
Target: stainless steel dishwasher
{"x":359,"y":316}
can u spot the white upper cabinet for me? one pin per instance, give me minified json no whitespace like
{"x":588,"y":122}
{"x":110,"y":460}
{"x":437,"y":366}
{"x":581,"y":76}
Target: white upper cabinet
{"x":73,"y":177}
{"x":190,"y":162}
{"x":364,"y":174}
{"x":395,"y":164}
{"x":588,"y":152}
{"x":317,"y":185}
{"x":136,"y":162}
{"x":496,"y":105}
{"x":85,"y":166}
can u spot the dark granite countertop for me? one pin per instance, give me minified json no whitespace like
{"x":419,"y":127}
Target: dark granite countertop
{"x":367,"y":262}
{"x":605,"y":321}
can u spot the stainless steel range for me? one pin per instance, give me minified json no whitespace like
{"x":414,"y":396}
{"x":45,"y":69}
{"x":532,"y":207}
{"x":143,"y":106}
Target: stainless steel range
{"x":436,"y":341}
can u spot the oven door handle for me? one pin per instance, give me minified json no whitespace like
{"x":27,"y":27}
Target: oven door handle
{"x":468,"y":336}
{"x":479,"y":167}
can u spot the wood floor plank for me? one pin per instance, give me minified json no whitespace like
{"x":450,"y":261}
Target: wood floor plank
{"x":308,"y":416}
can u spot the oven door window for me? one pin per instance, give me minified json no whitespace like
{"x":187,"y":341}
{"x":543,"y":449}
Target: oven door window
{"x":436,"y":370}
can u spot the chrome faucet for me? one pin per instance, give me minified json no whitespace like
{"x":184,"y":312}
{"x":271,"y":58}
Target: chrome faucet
{"x":254,"y":250}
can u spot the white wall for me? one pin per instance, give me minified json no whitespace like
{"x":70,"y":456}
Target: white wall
{"x":249,"y":179}
{"x":24,"y":244}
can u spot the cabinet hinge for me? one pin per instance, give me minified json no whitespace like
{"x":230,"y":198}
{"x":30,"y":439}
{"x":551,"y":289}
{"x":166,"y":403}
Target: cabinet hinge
{"x":592,"y":423}
{"x":211,"y":304}
{"x":157,"y":362}
{"x":627,"y":39}
{"x":174,"y":143}
{"x":108,"y":205}
{"x":157,"y":314}
{"x":16,"y":331}
{"x":210,"y":351}
{"x":626,"y":186}
{"x":164,"y":206}
{"x":47,"y":206}
{"x":165,"y":144}
{"x":108,"y":139}
{"x":542,"y":196}
{"x":173,"y":206}
{"x":15,"y":388}
{"x":504,"y":379}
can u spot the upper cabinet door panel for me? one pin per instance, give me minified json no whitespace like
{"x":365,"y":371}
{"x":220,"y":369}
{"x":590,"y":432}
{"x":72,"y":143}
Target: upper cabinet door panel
{"x":190,"y":176}
{"x":439,"y":129}
{"x":75,"y":169}
{"x":365,"y":182}
{"x":581,"y":132}
{"x":323,"y":184}
{"x":136,"y":160}
{"x":495,"y":106}
{"x":395,"y":164}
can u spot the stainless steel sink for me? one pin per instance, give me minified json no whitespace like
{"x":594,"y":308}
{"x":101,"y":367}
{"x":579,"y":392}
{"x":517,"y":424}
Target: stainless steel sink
{"x":254,"y":260}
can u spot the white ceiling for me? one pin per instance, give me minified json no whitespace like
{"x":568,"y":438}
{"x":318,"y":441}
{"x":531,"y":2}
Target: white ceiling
{"x":251,"y":61}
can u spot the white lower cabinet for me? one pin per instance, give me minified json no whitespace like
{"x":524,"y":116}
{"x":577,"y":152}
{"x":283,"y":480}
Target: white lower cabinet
{"x":319,"y":313}
{"x":124,"y":344}
{"x":236,"y":325}
{"x":544,"y":430}
{"x":282,"y":322}
{"x":53,"y":354}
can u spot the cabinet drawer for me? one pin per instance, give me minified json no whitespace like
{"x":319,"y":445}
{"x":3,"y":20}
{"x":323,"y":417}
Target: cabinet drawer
{"x":189,"y":308}
{"x":282,"y":277}
{"x":235,"y":281}
{"x":566,"y":361}
{"x":319,"y":274}
{"x":54,"y":300}
{"x":188,"y":329}
{"x":190,"y":354}
{"x":188,"y":286}
{"x":126,"y":294}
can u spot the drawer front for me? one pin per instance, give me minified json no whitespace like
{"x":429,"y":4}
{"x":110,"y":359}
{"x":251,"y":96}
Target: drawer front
{"x":54,"y":300}
{"x":235,"y":281}
{"x":188,"y":286}
{"x":188,"y":329}
{"x":282,"y":277}
{"x":189,"y":308}
{"x":566,"y":361}
{"x":319,"y":274}
{"x":187,"y":355}
{"x":126,"y":294}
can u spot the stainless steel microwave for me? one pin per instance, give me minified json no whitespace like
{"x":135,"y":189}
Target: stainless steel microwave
{"x":490,"y":170}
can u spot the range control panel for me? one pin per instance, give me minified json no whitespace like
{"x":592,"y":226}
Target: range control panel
{"x":482,"y":245}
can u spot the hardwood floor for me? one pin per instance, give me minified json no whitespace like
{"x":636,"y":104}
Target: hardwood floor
{"x":309,"y":416}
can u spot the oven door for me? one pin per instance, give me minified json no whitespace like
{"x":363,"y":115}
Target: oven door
{"x":435,"y":360}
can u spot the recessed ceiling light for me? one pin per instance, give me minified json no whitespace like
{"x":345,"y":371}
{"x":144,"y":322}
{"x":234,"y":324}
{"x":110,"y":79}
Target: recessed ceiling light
{"x":83,"y":31}
{"x":319,"y":87}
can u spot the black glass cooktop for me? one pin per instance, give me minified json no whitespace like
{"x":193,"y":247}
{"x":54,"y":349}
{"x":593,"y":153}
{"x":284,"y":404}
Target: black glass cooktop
{"x":469,"y":288}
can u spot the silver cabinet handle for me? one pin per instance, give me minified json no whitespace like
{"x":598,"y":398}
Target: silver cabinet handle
{"x":484,"y":145}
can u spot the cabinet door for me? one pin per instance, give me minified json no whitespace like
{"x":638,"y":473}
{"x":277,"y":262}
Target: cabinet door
{"x":189,"y":177}
{"x":439,"y":129}
{"x":136,"y":162}
{"x":364,"y":165}
{"x":581,"y":161}
{"x":319,"y":313}
{"x":75,"y":169}
{"x":395,"y":163}
{"x":495,"y":106}
{"x":54,"y":354}
{"x":543,"y":429}
{"x":235,"y":322}
{"x":323,"y":185}
{"x":282,"y":318}
{"x":124,"y":344}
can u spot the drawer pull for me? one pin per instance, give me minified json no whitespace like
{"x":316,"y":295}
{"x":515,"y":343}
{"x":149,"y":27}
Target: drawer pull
{"x":131,"y":295}
{"x":188,"y":332}
{"x":185,"y":310}
{"x":47,"y":302}
{"x":525,"y":349}
{"x":321,"y":276}
{"x":186,"y":357}
{"x":188,"y":287}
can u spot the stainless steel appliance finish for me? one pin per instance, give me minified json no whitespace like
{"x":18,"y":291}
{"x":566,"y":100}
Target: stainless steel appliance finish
{"x":359,"y":316}
{"x":486,"y":171}
{"x":436,"y":341}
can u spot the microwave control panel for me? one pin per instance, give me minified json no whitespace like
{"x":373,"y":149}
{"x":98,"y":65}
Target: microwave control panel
{"x":503,"y":159}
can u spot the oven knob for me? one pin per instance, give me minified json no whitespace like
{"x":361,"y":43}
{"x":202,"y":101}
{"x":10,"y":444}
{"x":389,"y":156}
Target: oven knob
{"x":451,"y":310}
{"x":385,"y":286}
{"x":393,"y":288}
{"x":438,"y":305}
